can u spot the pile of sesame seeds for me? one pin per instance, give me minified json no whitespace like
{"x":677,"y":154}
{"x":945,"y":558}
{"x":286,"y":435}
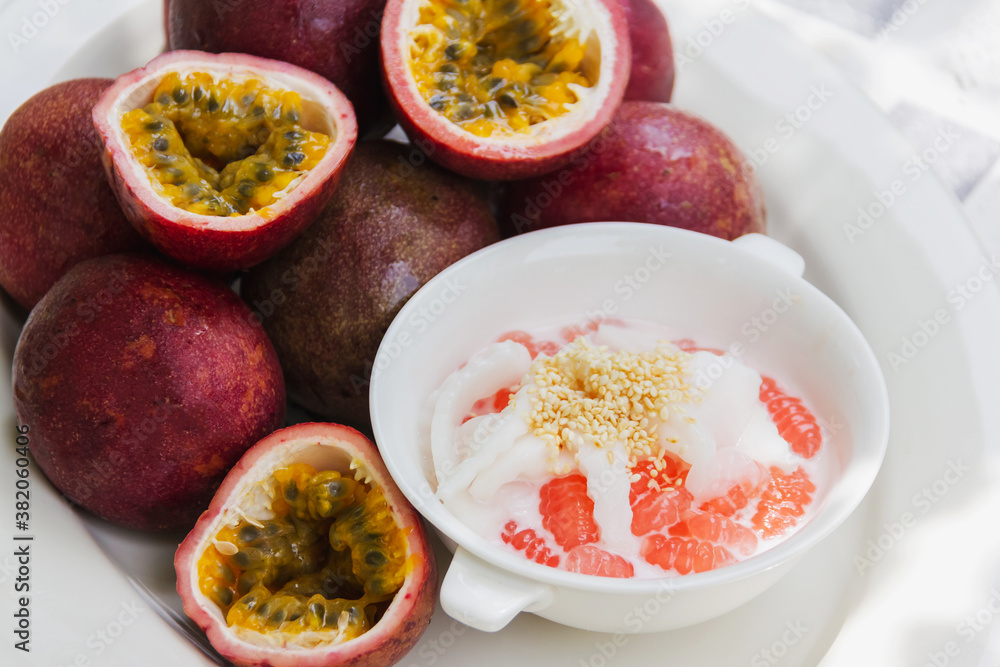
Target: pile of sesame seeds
{"x":587,"y":392}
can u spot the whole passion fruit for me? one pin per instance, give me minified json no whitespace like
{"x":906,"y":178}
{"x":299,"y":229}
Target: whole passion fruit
{"x":328,"y":298}
{"x":221,"y":160}
{"x":337,"y":39}
{"x":654,"y":163}
{"x":503,"y":89}
{"x":309,"y":556}
{"x":652,"y":75}
{"x":142,"y":384}
{"x":57,"y":208}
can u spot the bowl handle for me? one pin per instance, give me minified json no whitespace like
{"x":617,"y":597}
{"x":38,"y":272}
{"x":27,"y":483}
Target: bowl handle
{"x":485,"y":597}
{"x":772,"y":252}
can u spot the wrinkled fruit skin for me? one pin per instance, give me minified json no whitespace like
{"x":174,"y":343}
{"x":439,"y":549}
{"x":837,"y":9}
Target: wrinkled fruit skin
{"x":462,"y":152}
{"x":327,"y":299}
{"x":406,"y":618}
{"x":56,"y":208}
{"x":337,"y":39}
{"x":654,"y":163}
{"x":652,"y":75}
{"x":142,"y":385}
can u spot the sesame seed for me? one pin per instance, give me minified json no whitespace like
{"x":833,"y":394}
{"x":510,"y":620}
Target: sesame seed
{"x":592,"y":393}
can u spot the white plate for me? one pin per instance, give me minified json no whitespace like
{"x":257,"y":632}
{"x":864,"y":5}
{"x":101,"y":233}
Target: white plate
{"x":748,"y":76}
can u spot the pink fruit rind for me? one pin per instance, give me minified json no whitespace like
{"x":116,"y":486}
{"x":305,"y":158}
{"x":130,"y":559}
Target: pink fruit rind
{"x":214,"y":242}
{"x":494,"y":159}
{"x":404,"y":620}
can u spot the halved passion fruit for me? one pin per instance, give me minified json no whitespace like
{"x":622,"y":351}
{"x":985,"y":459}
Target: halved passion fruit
{"x":221,"y":160}
{"x":504,"y":89}
{"x":309,"y":556}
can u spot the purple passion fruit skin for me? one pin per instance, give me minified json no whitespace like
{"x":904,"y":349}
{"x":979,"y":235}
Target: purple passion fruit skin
{"x":652,"y":74}
{"x":326,"y":301}
{"x":56,"y":207}
{"x":654,"y":163}
{"x":337,"y":39}
{"x":142,"y":384}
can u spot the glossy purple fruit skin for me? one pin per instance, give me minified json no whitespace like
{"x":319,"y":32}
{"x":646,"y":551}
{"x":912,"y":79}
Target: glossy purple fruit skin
{"x":654,"y":163}
{"x":652,"y":77}
{"x":337,"y":39}
{"x":142,"y":384}
{"x":326,"y":300}
{"x":56,"y":207}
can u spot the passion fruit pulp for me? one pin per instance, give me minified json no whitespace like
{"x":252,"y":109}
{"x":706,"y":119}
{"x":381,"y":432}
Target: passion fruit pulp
{"x":309,"y":555}
{"x":219,"y":147}
{"x":221,"y":160}
{"x":503,"y":89}
{"x":497,"y":66}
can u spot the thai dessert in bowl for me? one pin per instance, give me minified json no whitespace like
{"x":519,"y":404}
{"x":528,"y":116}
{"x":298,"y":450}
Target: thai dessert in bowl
{"x":597,"y":415}
{"x":607,"y":449}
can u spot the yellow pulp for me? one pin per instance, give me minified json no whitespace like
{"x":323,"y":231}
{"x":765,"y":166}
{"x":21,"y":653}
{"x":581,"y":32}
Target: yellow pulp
{"x":218,"y":147}
{"x":496,"y":66}
{"x":330,"y":560}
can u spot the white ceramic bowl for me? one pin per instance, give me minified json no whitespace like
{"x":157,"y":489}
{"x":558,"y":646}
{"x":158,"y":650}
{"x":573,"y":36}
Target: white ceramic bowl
{"x":718,"y":293}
